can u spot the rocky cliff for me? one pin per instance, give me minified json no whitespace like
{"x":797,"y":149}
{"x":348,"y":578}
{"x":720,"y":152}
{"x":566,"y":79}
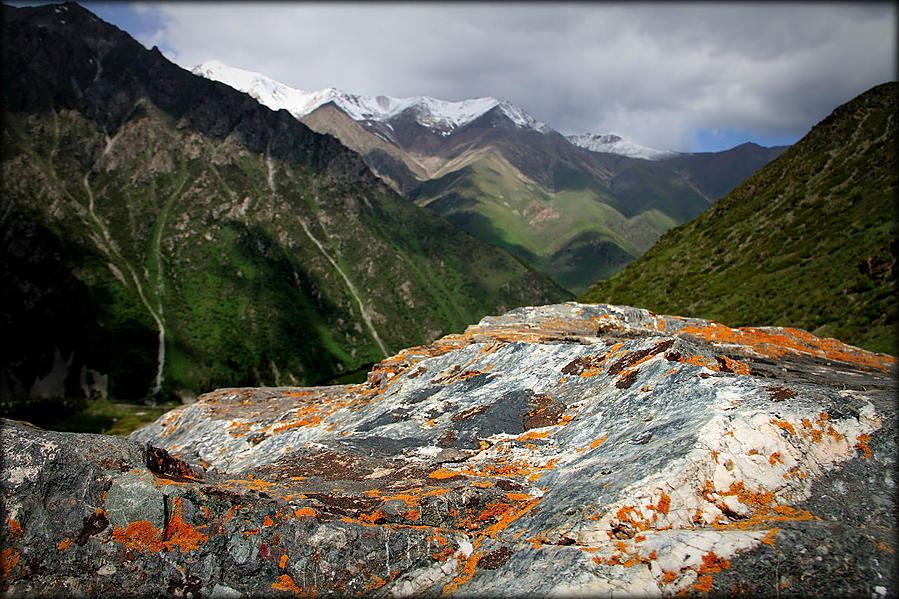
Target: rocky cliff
{"x":567,"y":449}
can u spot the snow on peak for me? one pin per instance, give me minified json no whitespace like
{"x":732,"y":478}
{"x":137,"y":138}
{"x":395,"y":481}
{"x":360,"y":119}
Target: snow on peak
{"x":433,"y":113}
{"x":613,"y":144}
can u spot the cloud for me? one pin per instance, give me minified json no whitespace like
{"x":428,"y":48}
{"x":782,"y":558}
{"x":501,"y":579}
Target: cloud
{"x":655,"y":73}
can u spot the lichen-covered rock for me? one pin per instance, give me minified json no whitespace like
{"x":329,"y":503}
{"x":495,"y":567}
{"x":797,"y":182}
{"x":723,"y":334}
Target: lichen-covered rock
{"x":567,"y":449}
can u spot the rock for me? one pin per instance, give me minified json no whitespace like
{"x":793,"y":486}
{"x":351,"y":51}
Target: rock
{"x":565,"y":449}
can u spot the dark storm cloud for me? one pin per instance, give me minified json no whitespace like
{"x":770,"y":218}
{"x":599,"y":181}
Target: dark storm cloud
{"x":655,"y":73}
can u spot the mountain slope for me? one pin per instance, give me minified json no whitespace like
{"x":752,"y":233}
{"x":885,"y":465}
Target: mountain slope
{"x":809,"y":241}
{"x":490,"y":168}
{"x":194,"y":238}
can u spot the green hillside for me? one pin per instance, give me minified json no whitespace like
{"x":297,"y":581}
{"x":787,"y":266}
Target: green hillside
{"x":809,"y":241}
{"x":571,"y":231}
{"x":162,"y":234}
{"x":572,"y":214}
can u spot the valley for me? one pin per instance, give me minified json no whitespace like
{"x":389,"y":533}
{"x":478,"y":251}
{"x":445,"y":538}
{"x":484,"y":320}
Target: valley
{"x":201,"y":239}
{"x":574,"y":214}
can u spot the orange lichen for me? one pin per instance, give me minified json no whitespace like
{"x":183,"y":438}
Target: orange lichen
{"x":638,"y":521}
{"x":8,"y":560}
{"x":703,"y":585}
{"x":519,"y":496}
{"x":760,"y":501}
{"x":668,"y":576}
{"x":712,"y":564}
{"x":444,"y":473}
{"x":597,"y":443}
{"x":735,"y":366}
{"x":509,"y":516}
{"x":15,"y":528}
{"x":768,"y":539}
{"x":784,"y":425}
{"x":376,"y":583}
{"x":775,"y":343}
{"x":268,"y":521}
{"x":372,"y":518}
{"x":775,"y":458}
{"x":285,"y":583}
{"x":140,"y":535}
{"x":531,"y":435}
{"x":181,"y":534}
{"x":64,"y":544}
{"x":862,"y":445}
{"x":282,"y":563}
{"x":664,"y":504}
{"x":467,"y":572}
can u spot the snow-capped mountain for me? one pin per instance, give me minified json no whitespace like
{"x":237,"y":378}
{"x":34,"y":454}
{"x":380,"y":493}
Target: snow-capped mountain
{"x":613,"y":144}
{"x":439,"y":115}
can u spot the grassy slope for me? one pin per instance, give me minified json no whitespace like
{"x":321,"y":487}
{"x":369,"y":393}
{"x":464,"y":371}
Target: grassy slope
{"x":246,"y":296}
{"x":809,"y":241}
{"x":556,"y":231}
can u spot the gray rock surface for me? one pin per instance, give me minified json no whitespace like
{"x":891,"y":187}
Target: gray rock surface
{"x":568,"y":450}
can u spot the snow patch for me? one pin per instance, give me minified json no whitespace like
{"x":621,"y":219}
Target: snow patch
{"x":613,"y":144}
{"x":440,"y":115}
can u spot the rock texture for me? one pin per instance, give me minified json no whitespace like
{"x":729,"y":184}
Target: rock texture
{"x":568,"y":449}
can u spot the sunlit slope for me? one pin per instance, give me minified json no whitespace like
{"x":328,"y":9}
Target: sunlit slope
{"x":809,"y":241}
{"x":573,"y":233}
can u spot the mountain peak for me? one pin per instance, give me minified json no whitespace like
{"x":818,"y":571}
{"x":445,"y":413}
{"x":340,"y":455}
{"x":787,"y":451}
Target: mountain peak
{"x":614,"y":144}
{"x":441,"y":115}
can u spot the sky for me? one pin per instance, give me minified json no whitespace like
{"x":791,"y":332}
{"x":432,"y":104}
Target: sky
{"x":681,"y":76}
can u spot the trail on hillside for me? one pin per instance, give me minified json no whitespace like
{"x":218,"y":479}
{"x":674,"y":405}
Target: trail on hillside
{"x":110,"y":250}
{"x":365,"y":315}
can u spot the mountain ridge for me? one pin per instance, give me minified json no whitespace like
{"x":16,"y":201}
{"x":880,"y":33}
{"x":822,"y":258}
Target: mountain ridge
{"x":552,"y":176}
{"x":442,"y":115}
{"x":213,"y":241}
{"x":808,"y":241}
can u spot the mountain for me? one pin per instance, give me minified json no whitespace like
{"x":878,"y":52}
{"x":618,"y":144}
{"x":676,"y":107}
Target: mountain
{"x":567,"y":450}
{"x":438,"y":115}
{"x":808,"y":241}
{"x":163,"y":234}
{"x":574,"y":213}
{"x":614,"y":144}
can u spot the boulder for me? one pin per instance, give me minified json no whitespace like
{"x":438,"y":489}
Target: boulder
{"x":567,"y":450}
